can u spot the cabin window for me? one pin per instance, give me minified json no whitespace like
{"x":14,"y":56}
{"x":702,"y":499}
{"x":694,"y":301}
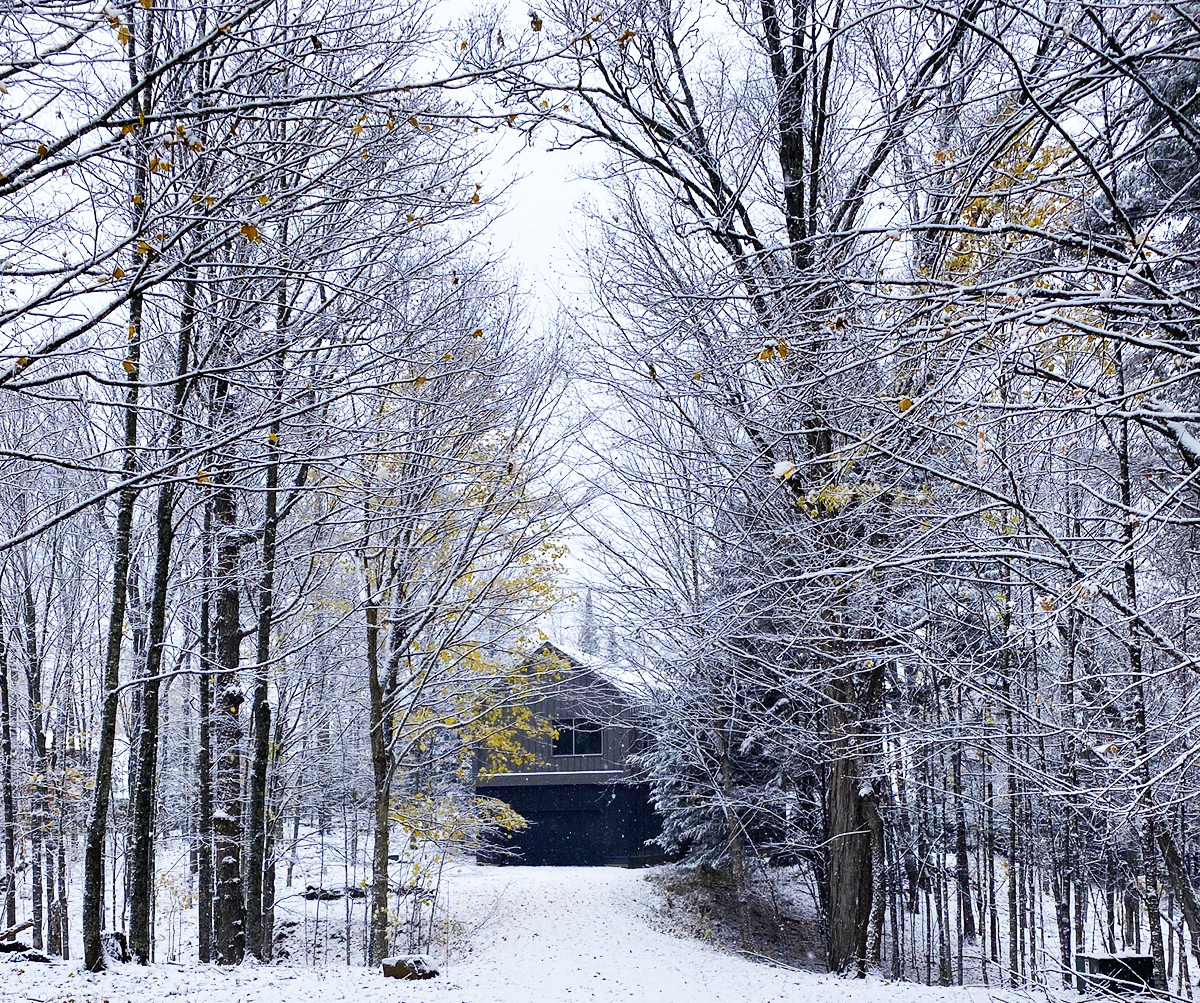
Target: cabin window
{"x":577,"y":737}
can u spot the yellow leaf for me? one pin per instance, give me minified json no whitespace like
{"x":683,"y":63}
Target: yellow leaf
{"x":626,"y":36}
{"x":196,"y":146}
{"x":263,"y":200}
{"x":411,"y":218}
{"x":250,"y":232}
{"x":147,"y":4}
{"x":126,"y":130}
{"x":195,"y":198}
{"x":697,"y":376}
{"x":201,"y":477}
{"x":128,"y":366}
{"x":767,"y":353}
{"x":118,"y":272}
{"x":357,"y":128}
{"x":412,"y":120}
{"x":272,"y":438}
{"x":475,"y":197}
{"x":420,"y":381}
{"x":142,"y":247}
{"x":477,"y":333}
{"x":124,"y":35}
{"x":42,"y":151}
{"x":137,"y":200}
{"x":545,"y":104}
{"x":463,"y":46}
{"x":905,"y":404}
{"x":211,"y":200}
{"x":391,"y":124}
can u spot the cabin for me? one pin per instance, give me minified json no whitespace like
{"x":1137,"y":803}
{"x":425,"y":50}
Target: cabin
{"x":580,"y":798}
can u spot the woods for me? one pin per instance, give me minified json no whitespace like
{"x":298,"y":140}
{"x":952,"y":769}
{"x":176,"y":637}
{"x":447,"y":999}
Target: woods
{"x":874,"y":445}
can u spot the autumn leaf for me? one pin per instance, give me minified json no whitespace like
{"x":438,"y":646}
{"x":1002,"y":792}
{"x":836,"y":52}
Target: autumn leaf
{"x":42,"y":151}
{"x":412,"y":120}
{"x":201,"y":477}
{"x":129,"y":366}
{"x":626,"y":36}
{"x":137,"y":200}
{"x":124,"y":35}
{"x":477,"y":333}
{"x":263,"y":200}
{"x":905,"y":404}
{"x":142,"y":248}
{"x":420,"y":381}
{"x":250,"y":232}
{"x":118,"y":272}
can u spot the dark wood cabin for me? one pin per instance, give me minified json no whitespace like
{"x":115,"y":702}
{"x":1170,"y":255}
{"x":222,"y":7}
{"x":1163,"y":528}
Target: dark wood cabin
{"x":579,"y":798}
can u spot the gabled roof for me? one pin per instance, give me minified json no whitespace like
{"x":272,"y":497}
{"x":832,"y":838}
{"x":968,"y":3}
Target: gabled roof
{"x":624,"y":679}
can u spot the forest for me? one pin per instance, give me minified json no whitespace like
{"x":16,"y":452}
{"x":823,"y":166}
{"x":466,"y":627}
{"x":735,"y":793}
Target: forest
{"x":872,"y":448}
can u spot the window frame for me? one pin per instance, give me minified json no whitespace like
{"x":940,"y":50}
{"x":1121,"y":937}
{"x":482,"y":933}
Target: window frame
{"x":575,"y":726}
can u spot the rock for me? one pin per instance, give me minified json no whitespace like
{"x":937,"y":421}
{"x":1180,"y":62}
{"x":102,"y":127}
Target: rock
{"x":115,"y":945}
{"x":12,"y":947}
{"x":27,"y":956}
{"x":312,"y":893}
{"x":409,"y":966}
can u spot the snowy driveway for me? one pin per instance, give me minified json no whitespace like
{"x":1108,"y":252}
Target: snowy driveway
{"x":537,"y":935}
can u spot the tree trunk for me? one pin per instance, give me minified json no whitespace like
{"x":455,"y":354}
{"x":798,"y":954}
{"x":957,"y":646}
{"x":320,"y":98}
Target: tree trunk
{"x":848,"y":836}
{"x":1182,"y":886}
{"x":142,"y":795}
{"x":380,"y":763}
{"x":230,"y":919}
{"x":204,"y":806}
{"x":10,"y":807}
{"x":258,"y":936}
{"x":93,"y":866}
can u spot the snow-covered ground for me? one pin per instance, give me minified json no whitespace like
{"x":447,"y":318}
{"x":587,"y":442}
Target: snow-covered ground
{"x":524,"y":935}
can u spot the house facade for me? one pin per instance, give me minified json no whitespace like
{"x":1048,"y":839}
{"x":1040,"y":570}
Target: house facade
{"x":579,"y":798}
